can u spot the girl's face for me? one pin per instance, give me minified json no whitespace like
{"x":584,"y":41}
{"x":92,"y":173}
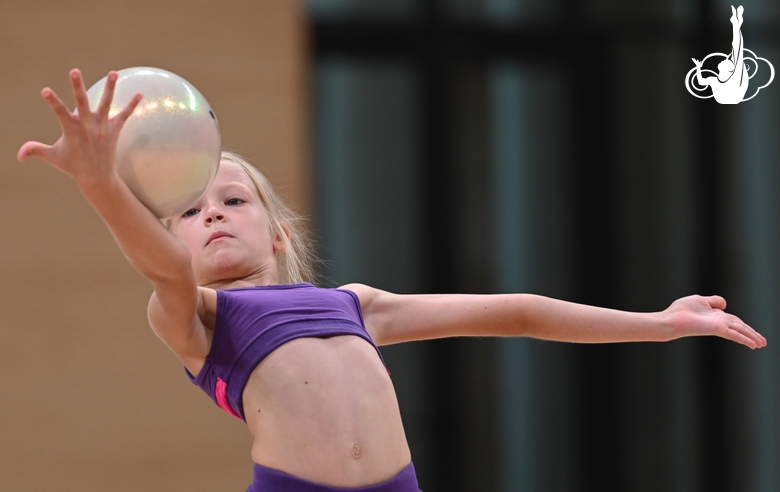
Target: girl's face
{"x":228,"y":232}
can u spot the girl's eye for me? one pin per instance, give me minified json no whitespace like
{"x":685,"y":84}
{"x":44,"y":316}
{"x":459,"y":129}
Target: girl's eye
{"x":233,"y":201}
{"x":189,"y":213}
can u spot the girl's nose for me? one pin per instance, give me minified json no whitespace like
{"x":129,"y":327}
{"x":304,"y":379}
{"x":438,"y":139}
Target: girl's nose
{"x":213,"y":214}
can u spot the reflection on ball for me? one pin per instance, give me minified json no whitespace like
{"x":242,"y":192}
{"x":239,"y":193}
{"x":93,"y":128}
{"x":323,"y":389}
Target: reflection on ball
{"x":168,"y":151}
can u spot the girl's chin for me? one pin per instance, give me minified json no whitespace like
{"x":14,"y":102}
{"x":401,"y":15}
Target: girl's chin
{"x":224,"y":259}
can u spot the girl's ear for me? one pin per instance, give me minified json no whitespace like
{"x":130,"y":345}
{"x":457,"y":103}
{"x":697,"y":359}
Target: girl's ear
{"x":281,"y":242}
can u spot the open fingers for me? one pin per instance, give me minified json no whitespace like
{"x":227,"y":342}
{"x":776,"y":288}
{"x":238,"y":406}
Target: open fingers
{"x":79,"y":93}
{"x":737,"y":337}
{"x":108,"y":95}
{"x":749,"y":332}
{"x":123,"y":115}
{"x":55,"y":103}
{"x":740,"y":332}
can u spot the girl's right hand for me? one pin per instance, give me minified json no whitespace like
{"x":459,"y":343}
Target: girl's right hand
{"x":87,"y":147}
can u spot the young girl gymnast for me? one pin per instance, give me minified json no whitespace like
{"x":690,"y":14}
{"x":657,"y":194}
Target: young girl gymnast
{"x":299,"y":363}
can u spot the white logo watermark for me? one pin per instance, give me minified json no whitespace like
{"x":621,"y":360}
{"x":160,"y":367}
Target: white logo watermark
{"x":730,"y":84}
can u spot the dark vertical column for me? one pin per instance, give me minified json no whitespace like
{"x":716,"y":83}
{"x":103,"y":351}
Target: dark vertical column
{"x":460,"y":369}
{"x":445,"y":373}
{"x":709,"y":175}
{"x":469,"y":208}
{"x":432,"y":60}
{"x":590,"y":77}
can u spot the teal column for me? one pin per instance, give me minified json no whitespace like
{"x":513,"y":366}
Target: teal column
{"x":529,"y":203}
{"x":510,"y":92}
{"x":759,"y":169}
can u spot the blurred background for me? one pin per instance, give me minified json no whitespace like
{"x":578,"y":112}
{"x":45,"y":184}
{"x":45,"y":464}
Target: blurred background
{"x":476,"y":146}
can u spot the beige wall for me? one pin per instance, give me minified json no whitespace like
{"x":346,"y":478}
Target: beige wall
{"x":90,"y":399}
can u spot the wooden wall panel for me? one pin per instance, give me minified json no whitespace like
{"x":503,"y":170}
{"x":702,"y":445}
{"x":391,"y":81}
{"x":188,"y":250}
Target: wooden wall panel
{"x":90,"y":399}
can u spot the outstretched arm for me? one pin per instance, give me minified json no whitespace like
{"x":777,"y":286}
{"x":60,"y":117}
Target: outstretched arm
{"x":85,"y":152}
{"x":701,"y":80}
{"x":392,"y":318}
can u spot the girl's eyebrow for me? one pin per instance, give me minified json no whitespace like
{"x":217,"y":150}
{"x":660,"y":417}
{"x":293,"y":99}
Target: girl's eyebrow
{"x":235,"y":184}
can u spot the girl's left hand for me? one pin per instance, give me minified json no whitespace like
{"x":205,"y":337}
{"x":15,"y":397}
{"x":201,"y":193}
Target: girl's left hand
{"x":697,"y":315}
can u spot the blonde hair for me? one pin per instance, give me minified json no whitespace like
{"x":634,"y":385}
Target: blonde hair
{"x":297,"y":262}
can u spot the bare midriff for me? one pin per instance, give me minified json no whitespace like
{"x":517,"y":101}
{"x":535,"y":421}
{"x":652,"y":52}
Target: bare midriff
{"x":324,"y":409}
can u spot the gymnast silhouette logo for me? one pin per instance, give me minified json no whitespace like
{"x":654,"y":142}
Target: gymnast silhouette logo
{"x":730,"y":84}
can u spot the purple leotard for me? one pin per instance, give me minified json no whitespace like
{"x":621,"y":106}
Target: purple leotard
{"x":252,"y":322}
{"x":270,"y":480}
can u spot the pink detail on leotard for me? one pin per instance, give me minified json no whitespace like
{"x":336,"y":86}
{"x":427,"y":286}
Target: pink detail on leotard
{"x":221,"y":394}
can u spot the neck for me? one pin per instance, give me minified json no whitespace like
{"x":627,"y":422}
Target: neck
{"x":260,"y":277}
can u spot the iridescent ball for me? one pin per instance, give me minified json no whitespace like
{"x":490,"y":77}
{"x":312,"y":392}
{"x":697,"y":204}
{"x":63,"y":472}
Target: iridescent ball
{"x":169,"y":149}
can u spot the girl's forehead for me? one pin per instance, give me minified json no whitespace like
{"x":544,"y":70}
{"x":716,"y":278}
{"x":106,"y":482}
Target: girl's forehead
{"x":229,"y":173}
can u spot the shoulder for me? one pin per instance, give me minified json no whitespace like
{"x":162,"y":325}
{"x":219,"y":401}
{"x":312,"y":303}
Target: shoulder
{"x":205,"y":303}
{"x":365,"y":294}
{"x":379,"y":308}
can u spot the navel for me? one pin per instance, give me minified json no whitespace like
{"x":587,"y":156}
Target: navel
{"x":356,"y":452}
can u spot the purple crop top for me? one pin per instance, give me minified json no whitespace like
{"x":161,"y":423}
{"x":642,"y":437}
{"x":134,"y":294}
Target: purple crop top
{"x":252,"y":322}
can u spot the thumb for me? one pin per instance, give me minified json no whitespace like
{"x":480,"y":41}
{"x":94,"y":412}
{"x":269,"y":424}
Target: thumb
{"x":716,"y":302}
{"x":33,"y":149}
